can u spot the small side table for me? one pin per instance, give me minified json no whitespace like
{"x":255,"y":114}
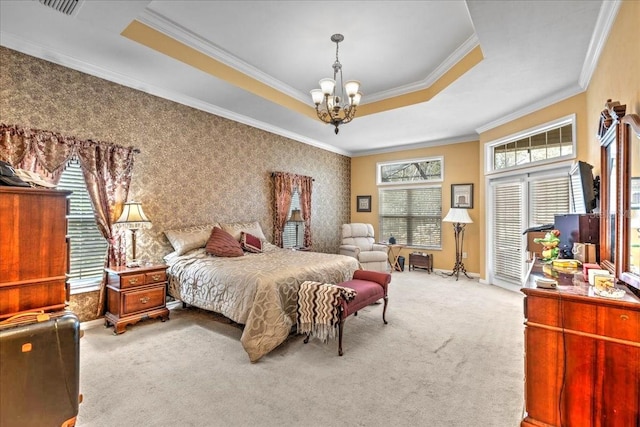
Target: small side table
{"x":394,"y":256}
{"x":134,"y":294}
{"x":421,"y":260}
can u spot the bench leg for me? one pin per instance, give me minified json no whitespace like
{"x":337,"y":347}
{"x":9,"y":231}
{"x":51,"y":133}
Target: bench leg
{"x":340,"y":327}
{"x":384,"y":310}
{"x":306,"y":339}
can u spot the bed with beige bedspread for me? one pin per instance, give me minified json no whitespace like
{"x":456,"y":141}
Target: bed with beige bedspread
{"x":257,"y":290}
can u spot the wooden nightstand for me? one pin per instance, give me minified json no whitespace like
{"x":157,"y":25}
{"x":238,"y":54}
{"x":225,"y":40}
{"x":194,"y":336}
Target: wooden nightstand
{"x":134,"y":294}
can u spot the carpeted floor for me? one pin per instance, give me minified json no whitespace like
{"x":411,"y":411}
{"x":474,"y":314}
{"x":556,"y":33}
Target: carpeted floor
{"x":451,"y":355}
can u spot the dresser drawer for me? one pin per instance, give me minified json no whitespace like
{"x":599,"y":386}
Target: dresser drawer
{"x":155,"y":277}
{"x":619,"y":323}
{"x":131,"y":281}
{"x":143,"y":299}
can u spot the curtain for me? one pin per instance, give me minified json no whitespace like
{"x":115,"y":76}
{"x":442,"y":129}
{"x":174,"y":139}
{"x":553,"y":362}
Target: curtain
{"x":107,"y":170}
{"x":283,"y":183}
{"x":304,"y":189}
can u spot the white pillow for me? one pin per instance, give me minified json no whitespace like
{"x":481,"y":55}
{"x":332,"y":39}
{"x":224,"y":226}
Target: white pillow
{"x":184,"y":240}
{"x":236,"y":229}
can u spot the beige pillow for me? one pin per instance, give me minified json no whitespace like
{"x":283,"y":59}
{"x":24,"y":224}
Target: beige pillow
{"x":236,"y":229}
{"x":184,"y":240}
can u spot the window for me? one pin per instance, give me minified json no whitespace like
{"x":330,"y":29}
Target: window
{"x":87,"y":246}
{"x":289,"y":233}
{"x":412,"y":215}
{"x":551,"y":141}
{"x":411,"y":171}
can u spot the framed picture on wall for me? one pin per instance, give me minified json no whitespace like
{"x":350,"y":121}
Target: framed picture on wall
{"x":635,"y":193}
{"x":462,"y":196}
{"x":363,"y":203}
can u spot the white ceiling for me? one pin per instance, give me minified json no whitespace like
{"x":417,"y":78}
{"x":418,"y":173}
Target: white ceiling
{"x":535,"y":53}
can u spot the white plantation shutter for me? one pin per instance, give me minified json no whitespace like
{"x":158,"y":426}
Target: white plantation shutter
{"x":412,"y":215}
{"x":508,"y":225}
{"x":87,"y":246}
{"x":549,"y":196}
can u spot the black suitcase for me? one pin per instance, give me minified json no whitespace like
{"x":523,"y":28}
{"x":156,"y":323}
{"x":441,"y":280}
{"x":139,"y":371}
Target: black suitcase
{"x":39,"y":370}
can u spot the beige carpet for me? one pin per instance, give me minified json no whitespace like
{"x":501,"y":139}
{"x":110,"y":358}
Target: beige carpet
{"x":451,"y":355}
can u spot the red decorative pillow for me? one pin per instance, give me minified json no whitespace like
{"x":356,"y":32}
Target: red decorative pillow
{"x":223,"y":244}
{"x":250,"y":243}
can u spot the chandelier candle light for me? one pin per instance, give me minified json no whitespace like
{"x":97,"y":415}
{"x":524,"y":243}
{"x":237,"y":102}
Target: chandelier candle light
{"x":459,"y":217}
{"x":133,"y":218}
{"x":331,"y":108}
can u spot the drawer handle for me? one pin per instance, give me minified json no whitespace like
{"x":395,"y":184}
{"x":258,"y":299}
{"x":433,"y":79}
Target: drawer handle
{"x":624,"y":317}
{"x":144,"y":300}
{"x":133,"y":280}
{"x":156,"y":277}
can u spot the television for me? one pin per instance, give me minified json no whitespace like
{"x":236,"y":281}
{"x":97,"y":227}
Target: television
{"x":582,"y":189}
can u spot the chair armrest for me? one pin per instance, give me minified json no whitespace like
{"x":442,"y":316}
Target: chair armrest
{"x":379,"y":247}
{"x":383,"y":279}
{"x":350,"y":250}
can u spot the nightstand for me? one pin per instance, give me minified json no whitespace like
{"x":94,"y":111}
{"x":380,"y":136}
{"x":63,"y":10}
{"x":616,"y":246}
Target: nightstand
{"x":134,"y":294}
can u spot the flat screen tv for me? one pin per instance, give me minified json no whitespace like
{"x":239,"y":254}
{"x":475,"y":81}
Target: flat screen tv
{"x":583,"y":196}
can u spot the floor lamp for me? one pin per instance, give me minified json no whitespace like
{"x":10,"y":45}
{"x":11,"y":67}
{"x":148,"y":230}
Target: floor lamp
{"x":459,"y":217}
{"x":297,"y":218}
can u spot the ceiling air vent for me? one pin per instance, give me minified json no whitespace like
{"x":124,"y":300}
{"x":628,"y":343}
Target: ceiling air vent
{"x":64,"y":6}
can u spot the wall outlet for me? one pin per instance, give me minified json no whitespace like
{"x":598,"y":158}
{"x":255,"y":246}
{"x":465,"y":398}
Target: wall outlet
{"x":464,"y":255}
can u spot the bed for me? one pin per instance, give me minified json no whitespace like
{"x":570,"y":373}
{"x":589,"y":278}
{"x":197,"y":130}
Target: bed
{"x":257,"y":290}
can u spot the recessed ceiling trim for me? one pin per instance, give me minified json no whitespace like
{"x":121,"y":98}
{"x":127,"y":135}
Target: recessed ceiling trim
{"x":188,"y":38}
{"x":604,"y":23}
{"x":451,"y":61}
{"x":470,"y":60}
{"x":165,"y":44}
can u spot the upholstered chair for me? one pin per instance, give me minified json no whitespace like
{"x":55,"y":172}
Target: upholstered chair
{"x":359,"y":242}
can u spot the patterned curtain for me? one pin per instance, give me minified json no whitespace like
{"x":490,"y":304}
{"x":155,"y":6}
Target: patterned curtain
{"x":304,"y":189}
{"x":283,"y":183}
{"x":107,"y":170}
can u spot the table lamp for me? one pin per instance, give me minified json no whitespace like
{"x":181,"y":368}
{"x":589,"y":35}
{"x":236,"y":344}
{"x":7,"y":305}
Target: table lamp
{"x":133,"y":218}
{"x":297,"y":218}
{"x":459,"y":217}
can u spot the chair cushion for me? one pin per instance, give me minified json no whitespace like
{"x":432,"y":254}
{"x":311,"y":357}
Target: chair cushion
{"x":372,"y":256}
{"x":367,"y":293}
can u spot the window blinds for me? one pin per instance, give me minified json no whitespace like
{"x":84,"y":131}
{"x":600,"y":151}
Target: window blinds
{"x":87,"y":246}
{"x":508,"y":225}
{"x":412,"y":215}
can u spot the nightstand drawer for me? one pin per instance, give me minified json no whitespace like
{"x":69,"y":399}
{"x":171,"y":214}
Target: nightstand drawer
{"x":144,"y":299}
{"x":155,"y":277}
{"x":131,"y":281}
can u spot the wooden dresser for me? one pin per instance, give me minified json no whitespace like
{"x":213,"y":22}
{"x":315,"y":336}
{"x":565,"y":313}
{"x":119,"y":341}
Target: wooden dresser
{"x":582,"y":357}
{"x":33,"y":250}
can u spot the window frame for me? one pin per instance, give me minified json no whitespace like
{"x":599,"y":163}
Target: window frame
{"x":545,"y":127}
{"x":380,"y":165}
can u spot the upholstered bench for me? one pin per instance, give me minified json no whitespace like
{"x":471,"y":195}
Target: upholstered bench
{"x":370,"y":287}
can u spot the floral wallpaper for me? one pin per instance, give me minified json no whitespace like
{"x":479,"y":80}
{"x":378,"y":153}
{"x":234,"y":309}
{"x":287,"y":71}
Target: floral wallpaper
{"x":193,"y":167}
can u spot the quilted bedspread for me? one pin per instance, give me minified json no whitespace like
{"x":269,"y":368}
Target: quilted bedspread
{"x":259,"y":291}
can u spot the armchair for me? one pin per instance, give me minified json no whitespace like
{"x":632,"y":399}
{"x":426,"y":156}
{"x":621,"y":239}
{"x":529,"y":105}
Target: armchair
{"x":358,"y":242}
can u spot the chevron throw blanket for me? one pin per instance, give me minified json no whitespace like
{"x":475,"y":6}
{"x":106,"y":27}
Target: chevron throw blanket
{"x":319,"y":308}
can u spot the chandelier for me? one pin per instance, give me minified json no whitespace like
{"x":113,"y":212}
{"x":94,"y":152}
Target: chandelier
{"x":331,"y":108}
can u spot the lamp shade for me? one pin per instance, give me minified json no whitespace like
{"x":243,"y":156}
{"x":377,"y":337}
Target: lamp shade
{"x":133,"y":217}
{"x":295,"y":216}
{"x":458,"y":215}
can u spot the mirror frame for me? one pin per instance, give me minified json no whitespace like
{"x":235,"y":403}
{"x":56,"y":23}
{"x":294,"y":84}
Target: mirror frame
{"x":608,"y":133}
{"x":629,"y":135}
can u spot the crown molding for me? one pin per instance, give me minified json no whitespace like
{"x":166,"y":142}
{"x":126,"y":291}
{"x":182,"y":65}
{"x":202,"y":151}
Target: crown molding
{"x":425,"y":144}
{"x":188,"y":38}
{"x":531,"y":108}
{"x":455,"y":57}
{"x":604,"y":23}
{"x":12,"y":42}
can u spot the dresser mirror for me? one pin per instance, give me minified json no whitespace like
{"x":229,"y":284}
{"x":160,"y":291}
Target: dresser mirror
{"x":629,"y":201}
{"x":609,"y":161}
